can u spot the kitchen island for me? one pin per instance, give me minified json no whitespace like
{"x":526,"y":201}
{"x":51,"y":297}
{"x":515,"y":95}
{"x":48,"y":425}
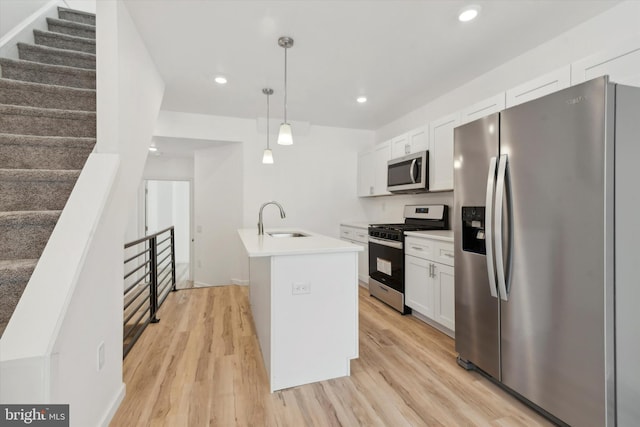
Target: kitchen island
{"x":304,"y":300}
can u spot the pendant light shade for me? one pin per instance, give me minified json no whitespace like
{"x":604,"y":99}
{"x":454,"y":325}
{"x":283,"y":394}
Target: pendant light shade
{"x":267,"y":156}
{"x":285,"y":137}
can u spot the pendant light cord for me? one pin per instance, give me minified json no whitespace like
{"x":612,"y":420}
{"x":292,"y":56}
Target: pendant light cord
{"x":267,"y":121}
{"x":285,"y":85}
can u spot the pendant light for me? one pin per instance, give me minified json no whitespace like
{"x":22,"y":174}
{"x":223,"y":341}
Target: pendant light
{"x":267,"y":157}
{"x":284,"y":136}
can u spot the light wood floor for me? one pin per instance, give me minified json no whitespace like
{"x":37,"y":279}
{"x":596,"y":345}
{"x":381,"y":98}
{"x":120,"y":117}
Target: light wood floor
{"x":201,"y":366}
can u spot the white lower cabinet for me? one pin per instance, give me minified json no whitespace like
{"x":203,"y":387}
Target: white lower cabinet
{"x":419,"y":291}
{"x":445,"y":297}
{"x":429,"y":280}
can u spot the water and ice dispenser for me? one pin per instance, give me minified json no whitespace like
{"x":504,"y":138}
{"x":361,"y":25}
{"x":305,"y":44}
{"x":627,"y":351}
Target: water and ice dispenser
{"x":473,"y":237}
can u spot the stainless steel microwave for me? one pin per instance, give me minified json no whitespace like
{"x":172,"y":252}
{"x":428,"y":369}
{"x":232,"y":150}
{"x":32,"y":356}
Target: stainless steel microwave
{"x":409,"y":174}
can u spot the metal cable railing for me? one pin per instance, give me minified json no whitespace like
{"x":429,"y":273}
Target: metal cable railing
{"x":150,"y":274}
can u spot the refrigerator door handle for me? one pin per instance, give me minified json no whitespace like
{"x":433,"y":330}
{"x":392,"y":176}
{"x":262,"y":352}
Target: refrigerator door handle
{"x":488,"y":226}
{"x":500,"y":188}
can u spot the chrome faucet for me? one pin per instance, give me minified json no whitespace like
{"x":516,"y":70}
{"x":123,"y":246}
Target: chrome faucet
{"x":260,"y":224}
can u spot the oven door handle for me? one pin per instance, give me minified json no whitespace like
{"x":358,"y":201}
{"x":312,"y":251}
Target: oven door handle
{"x":374,"y":240}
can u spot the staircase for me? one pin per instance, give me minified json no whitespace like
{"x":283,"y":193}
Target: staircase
{"x":47,"y":131}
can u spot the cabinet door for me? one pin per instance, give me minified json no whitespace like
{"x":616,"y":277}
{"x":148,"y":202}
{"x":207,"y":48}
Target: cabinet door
{"x":444,"y":290}
{"x":543,"y":85}
{"x":483,"y":108}
{"x":381,"y":155}
{"x":419,"y":288}
{"x":418,"y":140}
{"x":441,"y":152}
{"x":621,"y":63}
{"x":400,"y":146}
{"x":365,"y":174}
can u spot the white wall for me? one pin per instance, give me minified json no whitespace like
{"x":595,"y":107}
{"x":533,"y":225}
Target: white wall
{"x":218,"y":209}
{"x":13,"y":12}
{"x":608,"y":29}
{"x":315,"y":180}
{"x":129,"y":94}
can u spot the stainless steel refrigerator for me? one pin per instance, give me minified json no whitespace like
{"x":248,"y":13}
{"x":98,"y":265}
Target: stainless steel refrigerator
{"x":534,"y":250}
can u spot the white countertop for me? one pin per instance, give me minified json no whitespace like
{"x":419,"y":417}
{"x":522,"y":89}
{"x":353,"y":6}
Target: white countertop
{"x":362,"y":225}
{"x":445,"y":235}
{"x":313,"y":243}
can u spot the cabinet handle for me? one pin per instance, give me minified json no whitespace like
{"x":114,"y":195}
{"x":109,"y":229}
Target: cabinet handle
{"x":407,"y":148}
{"x":448,"y":255}
{"x":434,"y":271}
{"x":430,"y":270}
{"x":417,"y":248}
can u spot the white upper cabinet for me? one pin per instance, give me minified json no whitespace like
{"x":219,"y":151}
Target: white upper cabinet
{"x":381,"y":156}
{"x":409,"y":143}
{"x":400,"y":146}
{"x":365,"y":174}
{"x":441,"y":152}
{"x":621,"y":63}
{"x":543,"y":85}
{"x":483,"y":108}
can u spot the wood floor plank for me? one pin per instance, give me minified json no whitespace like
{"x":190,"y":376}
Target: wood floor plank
{"x":202,"y":366}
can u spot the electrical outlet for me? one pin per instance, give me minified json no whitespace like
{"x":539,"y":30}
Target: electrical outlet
{"x":301,"y":288}
{"x":100,"y":356}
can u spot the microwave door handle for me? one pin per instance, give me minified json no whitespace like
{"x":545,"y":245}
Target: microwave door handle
{"x":488,"y":226}
{"x":500,"y":189}
{"x":412,"y":169}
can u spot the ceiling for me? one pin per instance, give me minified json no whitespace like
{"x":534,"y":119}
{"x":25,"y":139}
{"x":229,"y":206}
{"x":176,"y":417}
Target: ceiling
{"x":400,"y":54}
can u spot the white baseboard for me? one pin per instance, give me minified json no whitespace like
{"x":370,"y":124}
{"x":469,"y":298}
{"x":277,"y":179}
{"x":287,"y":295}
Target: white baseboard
{"x":433,"y":324}
{"x":241,"y":282}
{"x":113,"y":408}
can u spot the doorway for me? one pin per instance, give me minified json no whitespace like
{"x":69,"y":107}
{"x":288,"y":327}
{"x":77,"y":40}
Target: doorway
{"x":168,"y":203}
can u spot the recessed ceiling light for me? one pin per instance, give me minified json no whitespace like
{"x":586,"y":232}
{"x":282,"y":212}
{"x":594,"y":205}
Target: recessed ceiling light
{"x":221,"y":80}
{"x":469,"y":13}
{"x":153,"y":149}
{"x":361,"y":99}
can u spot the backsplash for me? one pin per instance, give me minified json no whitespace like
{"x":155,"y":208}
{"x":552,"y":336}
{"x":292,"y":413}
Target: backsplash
{"x":391,"y":208}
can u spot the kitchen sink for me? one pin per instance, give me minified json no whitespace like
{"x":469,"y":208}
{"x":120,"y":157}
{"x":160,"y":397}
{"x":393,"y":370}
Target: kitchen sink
{"x":287,"y":234}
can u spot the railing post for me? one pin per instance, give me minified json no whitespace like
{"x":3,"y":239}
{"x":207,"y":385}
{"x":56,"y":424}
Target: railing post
{"x":173,"y":258}
{"x":153,"y":284}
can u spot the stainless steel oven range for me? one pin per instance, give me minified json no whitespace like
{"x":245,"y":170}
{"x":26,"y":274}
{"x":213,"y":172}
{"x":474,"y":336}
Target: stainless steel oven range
{"x":386,"y":251}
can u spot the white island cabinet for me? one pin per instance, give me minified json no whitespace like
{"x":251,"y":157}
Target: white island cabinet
{"x":304,"y":301}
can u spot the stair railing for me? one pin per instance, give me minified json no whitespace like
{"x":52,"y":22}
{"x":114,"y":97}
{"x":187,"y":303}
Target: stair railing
{"x":150,"y":274}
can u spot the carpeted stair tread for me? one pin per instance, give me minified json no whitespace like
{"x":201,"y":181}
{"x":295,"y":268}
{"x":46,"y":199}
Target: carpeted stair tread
{"x":64,"y":41}
{"x":17,"y":92}
{"x":10,"y":294}
{"x":44,"y":152}
{"x":35,"y":189}
{"x":55,"y":56}
{"x":25,"y":233}
{"x":47,"y":74}
{"x":48,"y":122}
{"x":77,"y":16}
{"x":71,"y":28}
{"x":47,"y":132}
{"x":14,"y":276}
{"x":16,"y":270}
